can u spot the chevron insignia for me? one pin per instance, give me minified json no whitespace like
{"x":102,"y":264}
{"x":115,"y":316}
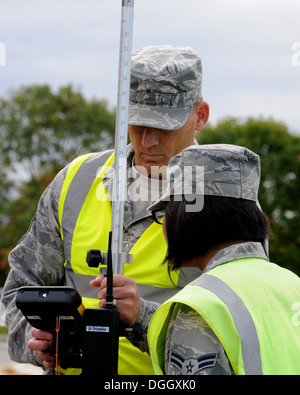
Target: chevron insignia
{"x":192,"y":365}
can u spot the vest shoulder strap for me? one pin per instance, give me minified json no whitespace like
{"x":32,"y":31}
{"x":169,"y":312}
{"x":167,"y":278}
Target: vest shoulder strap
{"x":79,"y":179}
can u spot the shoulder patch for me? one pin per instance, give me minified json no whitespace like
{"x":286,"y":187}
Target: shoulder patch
{"x":192,"y":365}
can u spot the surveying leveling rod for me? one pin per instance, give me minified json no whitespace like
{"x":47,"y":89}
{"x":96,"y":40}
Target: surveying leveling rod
{"x":121,"y":136}
{"x":99,"y":328}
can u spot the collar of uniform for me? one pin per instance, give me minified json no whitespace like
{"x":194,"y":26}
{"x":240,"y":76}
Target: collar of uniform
{"x":237,"y":251}
{"x":108,"y":184}
{"x":108,"y":178}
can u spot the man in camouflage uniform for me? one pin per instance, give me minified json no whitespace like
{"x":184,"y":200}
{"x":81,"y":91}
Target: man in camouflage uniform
{"x":166,"y":109}
{"x":180,"y":338}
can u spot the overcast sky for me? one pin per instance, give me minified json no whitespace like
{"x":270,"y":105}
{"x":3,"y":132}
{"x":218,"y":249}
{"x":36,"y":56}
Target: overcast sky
{"x":250,"y":49}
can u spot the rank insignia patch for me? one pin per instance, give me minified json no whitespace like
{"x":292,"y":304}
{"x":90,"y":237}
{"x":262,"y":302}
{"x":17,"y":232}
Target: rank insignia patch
{"x":192,"y":365}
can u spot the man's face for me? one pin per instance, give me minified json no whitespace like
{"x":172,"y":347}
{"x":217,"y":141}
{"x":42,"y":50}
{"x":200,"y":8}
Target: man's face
{"x":155,"y":147}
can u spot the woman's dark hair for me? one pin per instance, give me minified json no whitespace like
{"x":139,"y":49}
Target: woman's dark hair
{"x":222,"y":219}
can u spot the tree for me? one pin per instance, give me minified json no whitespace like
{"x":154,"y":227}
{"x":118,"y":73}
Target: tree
{"x":280,"y":184}
{"x":41,"y":132}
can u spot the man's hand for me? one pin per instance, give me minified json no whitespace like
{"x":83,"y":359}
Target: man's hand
{"x":40,"y":343}
{"x":125,"y":292}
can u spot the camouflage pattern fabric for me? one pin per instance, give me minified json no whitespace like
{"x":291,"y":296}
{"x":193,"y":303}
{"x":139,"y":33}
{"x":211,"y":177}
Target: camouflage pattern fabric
{"x":216,"y":169}
{"x":166,"y":81}
{"x":192,"y":348}
{"x":38,"y":259}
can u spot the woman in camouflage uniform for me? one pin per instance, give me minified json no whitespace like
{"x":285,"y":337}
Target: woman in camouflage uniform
{"x":223,"y":322}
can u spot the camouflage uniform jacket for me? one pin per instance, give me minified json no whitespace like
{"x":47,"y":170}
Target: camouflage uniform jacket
{"x":38,"y":259}
{"x":191,"y":346}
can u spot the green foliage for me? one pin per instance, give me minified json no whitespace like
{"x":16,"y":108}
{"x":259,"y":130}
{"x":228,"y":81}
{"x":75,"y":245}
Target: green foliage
{"x":280,"y":179}
{"x":41,"y":132}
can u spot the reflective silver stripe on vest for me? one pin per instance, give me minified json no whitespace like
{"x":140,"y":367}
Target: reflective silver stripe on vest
{"x":74,"y":201}
{"x":242,"y":319}
{"x":76,"y":195}
{"x":81,"y":282}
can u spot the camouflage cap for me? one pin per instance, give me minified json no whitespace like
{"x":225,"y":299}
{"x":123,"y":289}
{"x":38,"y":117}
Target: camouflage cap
{"x":165,"y":83}
{"x":216,"y":170}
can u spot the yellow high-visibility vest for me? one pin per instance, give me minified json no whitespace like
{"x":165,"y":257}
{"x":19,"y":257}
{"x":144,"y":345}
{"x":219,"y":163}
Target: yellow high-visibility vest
{"x":85,"y":220}
{"x":251,"y":306}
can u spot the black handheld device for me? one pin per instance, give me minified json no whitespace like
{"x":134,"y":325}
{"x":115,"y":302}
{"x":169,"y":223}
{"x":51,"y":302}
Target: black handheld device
{"x":101,"y":332}
{"x":42,"y":305}
{"x":87,"y":338}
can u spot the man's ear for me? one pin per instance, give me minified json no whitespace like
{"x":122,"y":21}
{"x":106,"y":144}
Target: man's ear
{"x":203,"y":115}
